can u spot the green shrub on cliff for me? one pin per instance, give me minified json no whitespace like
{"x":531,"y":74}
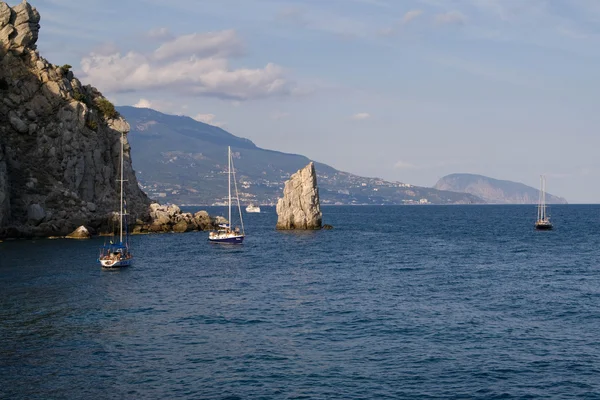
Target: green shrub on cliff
{"x":77,"y":95}
{"x":65,"y":69}
{"x":91,"y":124}
{"x":106,"y":108}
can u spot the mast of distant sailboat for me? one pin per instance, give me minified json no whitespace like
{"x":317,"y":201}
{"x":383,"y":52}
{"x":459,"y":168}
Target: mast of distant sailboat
{"x":542,"y":202}
{"x":121,"y":180}
{"x":229,"y":182}
{"x":237,"y":196}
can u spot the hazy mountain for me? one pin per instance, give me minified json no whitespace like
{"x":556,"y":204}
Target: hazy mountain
{"x":493,"y":190}
{"x":183,"y":161}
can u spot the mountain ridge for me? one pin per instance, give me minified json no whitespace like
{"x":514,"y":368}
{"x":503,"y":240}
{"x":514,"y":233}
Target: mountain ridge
{"x":181,"y":160}
{"x":495,"y":191}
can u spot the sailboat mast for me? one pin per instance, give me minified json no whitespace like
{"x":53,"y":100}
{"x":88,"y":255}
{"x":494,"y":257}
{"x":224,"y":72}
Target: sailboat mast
{"x":237,"y":196}
{"x":539,"y":208}
{"x":229,"y":181}
{"x":121,"y":180}
{"x":544,"y":197}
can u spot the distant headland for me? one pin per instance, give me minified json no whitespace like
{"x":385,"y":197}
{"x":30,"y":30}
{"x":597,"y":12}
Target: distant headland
{"x":494,"y":191}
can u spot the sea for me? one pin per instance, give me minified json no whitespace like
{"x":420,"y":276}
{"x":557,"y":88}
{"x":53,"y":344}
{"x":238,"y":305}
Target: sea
{"x":406,"y":302}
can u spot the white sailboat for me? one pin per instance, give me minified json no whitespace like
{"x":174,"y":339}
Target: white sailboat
{"x":543,"y":221}
{"x":117,"y":255}
{"x":225,"y":233}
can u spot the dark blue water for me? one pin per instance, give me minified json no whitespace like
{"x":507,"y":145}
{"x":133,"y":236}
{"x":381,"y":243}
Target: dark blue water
{"x":395,"y":302}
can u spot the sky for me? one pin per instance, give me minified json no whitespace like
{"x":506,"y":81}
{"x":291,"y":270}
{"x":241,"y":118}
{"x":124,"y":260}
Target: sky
{"x":404,"y":90}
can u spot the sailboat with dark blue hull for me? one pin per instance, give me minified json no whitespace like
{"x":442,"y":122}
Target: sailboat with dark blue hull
{"x":543,"y":220}
{"x":225,"y":233}
{"x":117,"y":254}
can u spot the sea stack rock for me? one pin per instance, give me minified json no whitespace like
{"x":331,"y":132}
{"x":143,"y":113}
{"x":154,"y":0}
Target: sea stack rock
{"x":59,"y":141}
{"x":300,"y":208}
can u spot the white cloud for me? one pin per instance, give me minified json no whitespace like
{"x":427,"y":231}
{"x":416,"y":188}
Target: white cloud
{"x":406,"y":20}
{"x":194,"y":64}
{"x":450,"y":18}
{"x":143,"y":103}
{"x":159,"y":34}
{"x":211,"y":44}
{"x":158,"y":105}
{"x":208,"y":119}
{"x":411,"y":16}
{"x":361,"y":116}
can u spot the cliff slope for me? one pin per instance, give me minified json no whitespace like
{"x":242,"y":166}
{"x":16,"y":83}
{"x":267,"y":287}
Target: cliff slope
{"x":493,"y":190}
{"x":59,"y":141}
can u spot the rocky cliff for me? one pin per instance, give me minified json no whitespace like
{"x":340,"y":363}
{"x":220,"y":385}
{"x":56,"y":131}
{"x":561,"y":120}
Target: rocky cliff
{"x":494,"y":191}
{"x":300,"y":208}
{"x":59,"y":141}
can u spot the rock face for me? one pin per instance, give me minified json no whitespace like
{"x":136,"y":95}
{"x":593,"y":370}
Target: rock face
{"x":59,"y":141}
{"x":300,"y":208}
{"x":494,"y":191}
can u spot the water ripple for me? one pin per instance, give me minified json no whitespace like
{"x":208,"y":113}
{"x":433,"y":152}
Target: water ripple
{"x":395,"y":302}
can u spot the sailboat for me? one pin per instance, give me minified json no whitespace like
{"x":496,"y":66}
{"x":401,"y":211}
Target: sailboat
{"x":543,"y":221}
{"x":117,"y":255}
{"x":225,"y":233}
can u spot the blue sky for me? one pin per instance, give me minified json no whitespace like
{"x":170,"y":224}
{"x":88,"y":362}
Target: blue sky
{"x":404,"y":90}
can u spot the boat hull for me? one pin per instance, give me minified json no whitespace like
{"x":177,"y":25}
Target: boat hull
{"x":238,"y":239}
{"x":543,"y":227}
{"x":114,"y":264}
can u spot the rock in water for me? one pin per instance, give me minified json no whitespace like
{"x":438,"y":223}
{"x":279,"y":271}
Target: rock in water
{"x":79,"y":233}
{"x":300,"y":208}
{"x":169,"y":218}
{"x":59,"y":141}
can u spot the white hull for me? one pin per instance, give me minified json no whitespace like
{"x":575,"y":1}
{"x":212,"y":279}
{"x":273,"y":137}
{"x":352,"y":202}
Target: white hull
{"x":253,"y":209}
{"x":116,"y":263}
{"x":225,"y":237}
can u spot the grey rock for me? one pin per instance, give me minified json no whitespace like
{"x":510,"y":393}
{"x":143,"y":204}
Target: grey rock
{"x":45,"y":139}
{"x":80,"y":233}
{"x":203,"y":221}
{"x":17,"y":123}
{"x":5,"y":32}
{"x":23,"y":19}
{"x":5,"y":13}
{"x":169,"y":218}
{"x":181,"y":226}
{"x":4,"y":190}
{"x":300,"y":207}
{"x":35,"y":214}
